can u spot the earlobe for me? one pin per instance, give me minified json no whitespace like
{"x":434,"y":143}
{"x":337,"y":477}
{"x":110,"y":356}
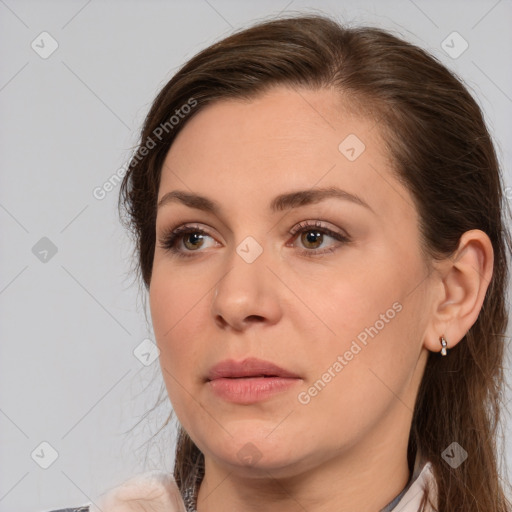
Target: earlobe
{"x":463,"y":281}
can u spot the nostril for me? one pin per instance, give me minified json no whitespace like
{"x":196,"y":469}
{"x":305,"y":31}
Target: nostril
{"x":221,"y":321}
{"x":254,"y":318}
{"x":238,"y":324}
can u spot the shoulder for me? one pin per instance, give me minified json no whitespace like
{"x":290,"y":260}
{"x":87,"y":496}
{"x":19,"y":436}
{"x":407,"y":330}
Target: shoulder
{"x":154,"y":490}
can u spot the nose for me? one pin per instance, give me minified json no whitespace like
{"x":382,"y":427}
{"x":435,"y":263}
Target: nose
{"x":246,"y":295}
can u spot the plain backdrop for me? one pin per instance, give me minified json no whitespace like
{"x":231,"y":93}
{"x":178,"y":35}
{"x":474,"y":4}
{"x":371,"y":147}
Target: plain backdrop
{"x":76,"y":80}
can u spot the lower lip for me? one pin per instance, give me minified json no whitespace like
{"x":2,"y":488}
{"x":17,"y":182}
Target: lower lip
{"x":250,"y":389}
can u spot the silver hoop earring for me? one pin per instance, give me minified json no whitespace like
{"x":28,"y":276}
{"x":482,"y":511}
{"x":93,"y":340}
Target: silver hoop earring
{"x":444,"y":344}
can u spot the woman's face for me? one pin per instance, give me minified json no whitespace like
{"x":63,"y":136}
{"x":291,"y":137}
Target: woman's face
{"x":300,"y":249}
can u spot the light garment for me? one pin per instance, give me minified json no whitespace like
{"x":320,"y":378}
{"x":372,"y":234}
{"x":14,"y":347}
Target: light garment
{"x":158,"y":492}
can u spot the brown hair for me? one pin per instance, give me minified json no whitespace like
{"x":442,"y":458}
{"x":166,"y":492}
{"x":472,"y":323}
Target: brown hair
{"x":443,"y":153}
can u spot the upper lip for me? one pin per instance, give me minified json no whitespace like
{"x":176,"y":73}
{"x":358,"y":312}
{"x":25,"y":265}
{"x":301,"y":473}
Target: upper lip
{"x":250,"y":367}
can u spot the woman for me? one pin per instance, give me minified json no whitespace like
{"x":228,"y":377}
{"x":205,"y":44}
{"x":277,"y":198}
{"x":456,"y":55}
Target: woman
{"x":319,"y":221}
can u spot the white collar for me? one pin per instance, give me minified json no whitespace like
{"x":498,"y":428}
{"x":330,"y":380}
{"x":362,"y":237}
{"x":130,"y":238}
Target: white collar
{"x":158,"y":489}
{"x":411,"y":499}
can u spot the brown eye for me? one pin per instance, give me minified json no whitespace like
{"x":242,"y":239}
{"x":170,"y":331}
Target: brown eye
{"x":186,"y":240}
{"x":315,"y":239}
{"x":312,"y":238}
{"x":193,"y":241}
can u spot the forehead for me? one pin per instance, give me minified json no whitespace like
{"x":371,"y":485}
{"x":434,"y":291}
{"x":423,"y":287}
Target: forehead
{"x":281,"y":141}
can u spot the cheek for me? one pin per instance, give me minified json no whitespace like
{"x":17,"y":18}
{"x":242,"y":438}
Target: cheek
{"x":175,"y":306}
{"x":175,"y":310}
{"x":174,"y":297}
{"x":375,"y":322}
{"x":360,"y":376}
{"x":359,"y":303}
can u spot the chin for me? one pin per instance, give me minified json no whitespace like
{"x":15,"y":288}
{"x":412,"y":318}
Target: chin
{"x":254,"y":453}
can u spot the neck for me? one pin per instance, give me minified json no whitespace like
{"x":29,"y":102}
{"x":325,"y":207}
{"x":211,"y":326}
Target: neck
{"x":365,"y":478}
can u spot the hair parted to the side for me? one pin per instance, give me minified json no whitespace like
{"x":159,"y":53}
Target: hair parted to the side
{"x":440,"y":149}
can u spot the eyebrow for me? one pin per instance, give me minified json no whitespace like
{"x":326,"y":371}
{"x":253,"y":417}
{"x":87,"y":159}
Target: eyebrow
{"x":279,"y":203}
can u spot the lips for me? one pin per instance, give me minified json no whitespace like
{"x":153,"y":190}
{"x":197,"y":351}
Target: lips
{"x":251,"y":367}
{"x":249,"y":381}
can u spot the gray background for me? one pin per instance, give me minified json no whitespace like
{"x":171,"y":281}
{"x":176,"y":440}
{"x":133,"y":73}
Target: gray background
{"x":70,"y":323}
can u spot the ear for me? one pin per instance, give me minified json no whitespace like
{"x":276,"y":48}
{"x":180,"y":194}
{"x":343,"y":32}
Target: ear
{"x":462,"y":282}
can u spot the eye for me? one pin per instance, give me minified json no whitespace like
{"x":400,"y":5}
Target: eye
{"x":313,"y":235}
{"x":184,"y":239}
{"x":188,"y":240}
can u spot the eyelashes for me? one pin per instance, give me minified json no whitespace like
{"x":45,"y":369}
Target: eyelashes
{"x":169,"y":239}
{"x":317,"y":229}
{"x":187,"y":240}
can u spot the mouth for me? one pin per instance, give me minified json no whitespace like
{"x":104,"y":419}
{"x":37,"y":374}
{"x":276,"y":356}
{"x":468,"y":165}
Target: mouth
{"x":249,"y":381}
{"x":250,"y":367}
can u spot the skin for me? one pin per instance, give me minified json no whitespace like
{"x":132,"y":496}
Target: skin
{"x":346,"y":448}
